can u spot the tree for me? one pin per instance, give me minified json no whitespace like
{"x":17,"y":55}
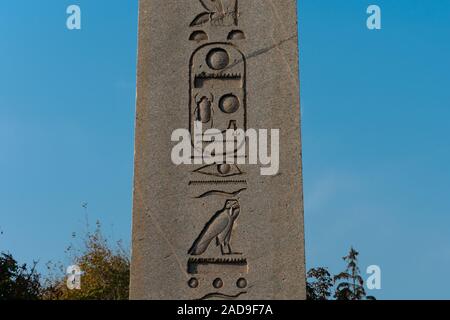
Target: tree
{"x":319,"y":284}
{"x":350,"y":284}
{"x":105,"y":272}
{"x":17,"y":282}
{"x":347,"y":285}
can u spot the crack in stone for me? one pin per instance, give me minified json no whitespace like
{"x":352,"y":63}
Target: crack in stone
{"x":256,"y":53}
{"x":259,"y":52}
{"x":280,"y":21}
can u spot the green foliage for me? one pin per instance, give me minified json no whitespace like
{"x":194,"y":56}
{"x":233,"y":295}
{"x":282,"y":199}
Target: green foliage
{"x":17,"y":282}
{"x":106,"y":272}
{"x":319,"y":284}
{"x":347,"y":285}
{"x":350,"y":284}
{"x":106,"y":275}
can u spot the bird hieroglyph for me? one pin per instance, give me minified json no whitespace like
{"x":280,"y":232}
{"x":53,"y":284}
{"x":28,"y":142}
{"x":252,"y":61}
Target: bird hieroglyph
{"x":219,"y":228}
{"x":218,"y":99}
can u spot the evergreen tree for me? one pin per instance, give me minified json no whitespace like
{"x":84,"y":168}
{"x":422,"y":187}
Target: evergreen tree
{"x":350,"y":284}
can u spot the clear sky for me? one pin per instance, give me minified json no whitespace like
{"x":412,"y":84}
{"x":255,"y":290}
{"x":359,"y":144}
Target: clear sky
{"x":376,"y":127}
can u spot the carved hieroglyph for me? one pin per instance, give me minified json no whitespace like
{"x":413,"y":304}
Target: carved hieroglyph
{"x":217,"y":89}
{"x":217,"y":231}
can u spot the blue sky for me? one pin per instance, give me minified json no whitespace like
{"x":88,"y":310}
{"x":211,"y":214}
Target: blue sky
{"x":376,"y":122}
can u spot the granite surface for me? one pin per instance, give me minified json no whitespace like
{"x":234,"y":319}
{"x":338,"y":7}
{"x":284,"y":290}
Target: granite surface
{"x":217,"y":231}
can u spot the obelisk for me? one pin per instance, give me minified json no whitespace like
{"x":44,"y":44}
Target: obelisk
{"x":219,"y":230}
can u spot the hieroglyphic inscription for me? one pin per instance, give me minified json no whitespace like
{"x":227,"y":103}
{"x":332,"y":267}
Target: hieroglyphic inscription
{"x":217,"y":91}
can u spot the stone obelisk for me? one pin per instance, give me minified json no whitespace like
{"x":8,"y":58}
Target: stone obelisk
{"x":220,"y":230}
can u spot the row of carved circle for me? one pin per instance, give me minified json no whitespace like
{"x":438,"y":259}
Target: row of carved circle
{"x":218,"y":283}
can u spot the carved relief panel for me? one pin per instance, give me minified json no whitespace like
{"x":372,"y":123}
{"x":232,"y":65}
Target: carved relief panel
{"x":217,"y":91}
